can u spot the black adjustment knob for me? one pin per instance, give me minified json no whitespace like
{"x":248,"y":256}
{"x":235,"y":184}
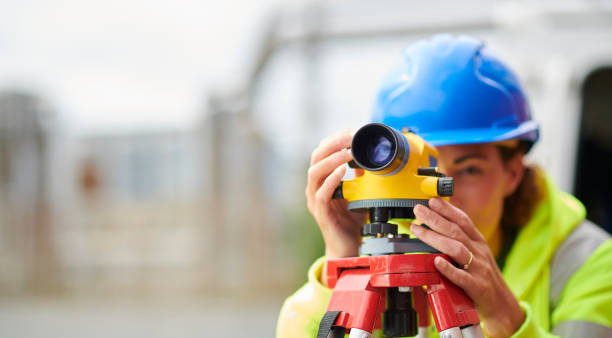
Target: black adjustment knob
{"x":338,"y":192}
{"x":370,"y":229}
{"x":353,"y":165}
{"x":429,"y":171}
{"x":445,"y":186}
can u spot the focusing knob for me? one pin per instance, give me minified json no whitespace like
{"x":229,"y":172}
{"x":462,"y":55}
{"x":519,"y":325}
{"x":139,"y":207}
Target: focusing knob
{"x":445,"y":186}
{"x":370,"y":229}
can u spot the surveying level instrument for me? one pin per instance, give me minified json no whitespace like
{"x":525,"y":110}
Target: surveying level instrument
{"x":394,"y":283}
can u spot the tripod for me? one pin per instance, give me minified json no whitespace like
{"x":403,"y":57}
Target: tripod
{"x":397,"y":281}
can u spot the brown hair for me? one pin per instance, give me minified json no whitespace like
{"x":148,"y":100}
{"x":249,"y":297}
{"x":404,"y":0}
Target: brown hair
{"x":520,"y":205}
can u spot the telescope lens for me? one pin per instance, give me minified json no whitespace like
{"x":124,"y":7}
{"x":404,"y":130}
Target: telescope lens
{"x":379,"y":148}
{"x":380,"y":152}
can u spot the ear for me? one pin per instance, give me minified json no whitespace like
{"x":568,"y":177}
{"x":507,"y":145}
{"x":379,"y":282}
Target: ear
{"x":515,"y":168}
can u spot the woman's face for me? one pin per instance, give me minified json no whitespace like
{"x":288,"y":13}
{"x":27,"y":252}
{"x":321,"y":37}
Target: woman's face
{"x":482,"y":181}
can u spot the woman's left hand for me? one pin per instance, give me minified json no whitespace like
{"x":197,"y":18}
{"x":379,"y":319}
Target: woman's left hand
{"x":453,"y":233}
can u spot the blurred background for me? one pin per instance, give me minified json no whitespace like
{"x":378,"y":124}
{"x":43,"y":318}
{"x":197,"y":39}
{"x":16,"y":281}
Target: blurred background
{"x":153,"y":153}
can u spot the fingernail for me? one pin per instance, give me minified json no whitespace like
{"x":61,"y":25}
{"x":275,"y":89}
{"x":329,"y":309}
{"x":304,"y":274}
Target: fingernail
{"x":435,"y":203}
{"x":438,"y":260}
{"x":415,"y":228}
{"x":418,"y":209}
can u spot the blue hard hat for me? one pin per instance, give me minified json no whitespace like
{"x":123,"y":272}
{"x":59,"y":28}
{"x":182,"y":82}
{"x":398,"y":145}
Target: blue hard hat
{"x":451,"y":90}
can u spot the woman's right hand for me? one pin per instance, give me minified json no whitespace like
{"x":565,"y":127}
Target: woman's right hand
{"x":340,"y":227}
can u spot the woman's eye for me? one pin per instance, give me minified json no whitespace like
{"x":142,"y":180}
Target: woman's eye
{"x":470,"y":171}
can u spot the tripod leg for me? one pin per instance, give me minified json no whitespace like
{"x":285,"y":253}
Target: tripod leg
{"x":358,"y":333}
{"x":357,"y":305}
{"x":472,"y":331}
{"x":452,"y":310}
{"x":453,"y":332}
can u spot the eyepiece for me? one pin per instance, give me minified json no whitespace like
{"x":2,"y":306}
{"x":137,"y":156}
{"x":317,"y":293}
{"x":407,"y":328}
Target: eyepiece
{"x":380,"y":149}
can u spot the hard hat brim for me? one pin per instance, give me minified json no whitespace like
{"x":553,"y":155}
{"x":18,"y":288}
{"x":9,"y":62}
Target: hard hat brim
{"x":526,"y":131}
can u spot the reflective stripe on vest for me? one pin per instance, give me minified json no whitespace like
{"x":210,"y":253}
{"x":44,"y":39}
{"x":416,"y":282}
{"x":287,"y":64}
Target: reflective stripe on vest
{"x":571,"y":254}
{"x":577,"y":328}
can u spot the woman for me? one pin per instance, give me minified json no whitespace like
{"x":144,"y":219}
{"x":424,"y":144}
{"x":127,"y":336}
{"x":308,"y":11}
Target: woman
{"x":531,"y":263}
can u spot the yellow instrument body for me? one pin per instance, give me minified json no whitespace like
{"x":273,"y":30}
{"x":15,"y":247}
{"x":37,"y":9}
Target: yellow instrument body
{"x":405,"y":183}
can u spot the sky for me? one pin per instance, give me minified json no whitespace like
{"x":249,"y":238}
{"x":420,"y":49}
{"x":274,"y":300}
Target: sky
{"x":124,"y":64}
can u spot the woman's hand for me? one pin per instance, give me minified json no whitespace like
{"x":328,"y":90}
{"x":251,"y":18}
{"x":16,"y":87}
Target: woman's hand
{"x":341,"y":228}
{"x":453,"y":233}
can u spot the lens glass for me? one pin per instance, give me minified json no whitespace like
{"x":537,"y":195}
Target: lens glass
{"x":380,"y":151}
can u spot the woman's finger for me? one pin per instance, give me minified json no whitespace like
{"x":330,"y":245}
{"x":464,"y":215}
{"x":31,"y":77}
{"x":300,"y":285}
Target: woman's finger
{"x":324,"y":194}
{"x":456,"y":216}
{"x":453,"y":248}
{"x":457,"y":276}
{"x":321,"y":170}
{"x":328,"y":146}
{"x":440,"y":224}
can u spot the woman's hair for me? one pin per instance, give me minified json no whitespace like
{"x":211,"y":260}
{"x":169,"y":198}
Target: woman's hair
{"x":520,"y":205}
